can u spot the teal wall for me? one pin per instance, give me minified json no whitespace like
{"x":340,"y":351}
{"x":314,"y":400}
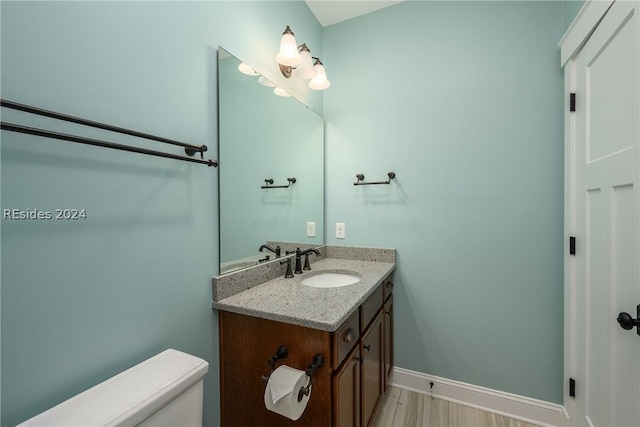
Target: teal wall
{"x":570,"y":9}
{"x":84,"y":300}
{"x":463,"y":101}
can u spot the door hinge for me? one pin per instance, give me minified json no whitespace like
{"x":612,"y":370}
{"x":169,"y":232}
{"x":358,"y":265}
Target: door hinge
{"x":572,"y":387}
{"x":572,"y":102}
{"x":572,"y":245}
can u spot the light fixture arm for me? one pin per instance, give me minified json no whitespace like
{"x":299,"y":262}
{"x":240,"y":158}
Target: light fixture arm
{"x":286,"y":70}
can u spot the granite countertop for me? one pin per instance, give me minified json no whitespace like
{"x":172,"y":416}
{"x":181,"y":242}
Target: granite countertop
{"x":289,"y":301}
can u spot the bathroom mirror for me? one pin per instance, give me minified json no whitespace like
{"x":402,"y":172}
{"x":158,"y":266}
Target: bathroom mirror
{"x":265,"y":140}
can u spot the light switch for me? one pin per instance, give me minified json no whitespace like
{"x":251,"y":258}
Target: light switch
{"x":340,"y":230}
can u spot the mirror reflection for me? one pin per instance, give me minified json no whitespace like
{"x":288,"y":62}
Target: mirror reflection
{"x":271,"y":152}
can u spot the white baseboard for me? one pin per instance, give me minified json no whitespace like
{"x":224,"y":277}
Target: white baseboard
{"x":566,"y":420}
{"x":522,"y":408}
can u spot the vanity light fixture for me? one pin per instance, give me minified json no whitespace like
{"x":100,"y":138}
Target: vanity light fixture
{"x":319,"y":80}
{"x":305,"y":69}
{"x":280,"y":92}
{"x":288,"y":55}
{"x":245,"y":69}
{"x":297,"y":61}
{"x":265,"y":82}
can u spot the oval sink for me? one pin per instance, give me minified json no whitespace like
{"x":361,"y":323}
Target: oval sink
{"x":331,"y":279}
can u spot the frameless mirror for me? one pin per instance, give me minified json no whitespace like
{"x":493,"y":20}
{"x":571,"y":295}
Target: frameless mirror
{"x":271,"y":152}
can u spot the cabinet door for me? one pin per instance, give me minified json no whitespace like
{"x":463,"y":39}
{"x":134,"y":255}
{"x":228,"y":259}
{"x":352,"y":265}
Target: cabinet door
{"x":346,"y":385}
{"x":388,"y":340}
{"x":372,"y":368}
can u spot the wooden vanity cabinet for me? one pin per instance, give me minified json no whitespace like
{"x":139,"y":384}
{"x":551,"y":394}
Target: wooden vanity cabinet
{"x":346,"y":390}
{"x":372,"y":350}
{"x":246,"y":343}
{"x":372,"y":360}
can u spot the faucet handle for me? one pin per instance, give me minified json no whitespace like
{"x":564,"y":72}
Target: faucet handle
{"x":289,"y":273}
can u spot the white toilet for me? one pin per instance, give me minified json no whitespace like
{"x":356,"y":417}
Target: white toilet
{"x":165,"y":390}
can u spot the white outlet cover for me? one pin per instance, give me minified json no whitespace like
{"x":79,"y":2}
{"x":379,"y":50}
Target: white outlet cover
{"x":311,"y":229}
{"x":340,"y":230}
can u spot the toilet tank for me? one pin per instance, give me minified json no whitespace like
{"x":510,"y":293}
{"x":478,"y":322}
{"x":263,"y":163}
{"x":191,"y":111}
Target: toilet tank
{"x":165,"y":390}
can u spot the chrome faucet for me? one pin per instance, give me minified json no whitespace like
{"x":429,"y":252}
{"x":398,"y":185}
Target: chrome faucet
{"x":276,"y":251}
{"x":306,"y":253}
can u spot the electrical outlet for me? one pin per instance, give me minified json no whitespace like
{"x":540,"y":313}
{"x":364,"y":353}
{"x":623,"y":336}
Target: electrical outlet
{"x":311,"y":229}
{"x":340,"y":230}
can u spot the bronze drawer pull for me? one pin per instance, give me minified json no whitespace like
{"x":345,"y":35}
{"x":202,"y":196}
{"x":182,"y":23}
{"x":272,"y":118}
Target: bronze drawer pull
{"x":350,"y":335}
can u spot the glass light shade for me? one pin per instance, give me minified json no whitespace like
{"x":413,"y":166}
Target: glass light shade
{"x":319,"y":81}
{"x":245,"y":69}
{"x":305,"y":69}
{"x":265,"y":82}
{"x":280,"y":92}
{"x":288,"y":55}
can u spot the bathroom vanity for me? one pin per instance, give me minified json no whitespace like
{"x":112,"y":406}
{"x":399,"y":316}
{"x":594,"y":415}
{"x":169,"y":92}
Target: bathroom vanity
{"x":351,"y":326}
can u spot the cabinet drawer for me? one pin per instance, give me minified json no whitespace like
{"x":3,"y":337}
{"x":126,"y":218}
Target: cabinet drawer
{"x":370,"y":308}
{"x":346,"y":337}
{"x":387,"y":288}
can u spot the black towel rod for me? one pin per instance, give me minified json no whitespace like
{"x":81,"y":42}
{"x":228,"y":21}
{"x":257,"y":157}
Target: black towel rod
{"x":360,"y":178}
{"x":189,"y":148}
{"x":95,"y":142}
{"x":269,"y":181}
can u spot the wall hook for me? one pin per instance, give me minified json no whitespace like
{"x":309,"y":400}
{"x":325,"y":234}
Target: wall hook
{"x":360,"y":178}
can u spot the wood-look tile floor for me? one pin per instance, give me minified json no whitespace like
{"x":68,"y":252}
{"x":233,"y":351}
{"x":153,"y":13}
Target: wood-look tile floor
{"x":404,"y":408}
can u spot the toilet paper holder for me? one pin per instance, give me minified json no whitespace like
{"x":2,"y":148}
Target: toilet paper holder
{"x":281,"y":353}
{"x":318,"y":361}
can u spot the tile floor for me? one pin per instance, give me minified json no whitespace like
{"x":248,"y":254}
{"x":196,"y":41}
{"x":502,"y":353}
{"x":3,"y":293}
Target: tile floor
{"x":404,"y":408}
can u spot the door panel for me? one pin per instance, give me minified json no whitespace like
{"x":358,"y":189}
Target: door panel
{"x":625,"y":345}
{"x":606,"y":364}
{"x":609,"y":72}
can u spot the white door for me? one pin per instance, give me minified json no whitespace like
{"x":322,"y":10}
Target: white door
{"x":607,"y":188}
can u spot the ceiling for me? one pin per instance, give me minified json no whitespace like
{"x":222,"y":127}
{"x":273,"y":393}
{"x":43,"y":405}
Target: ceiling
{"x":330,"y":12}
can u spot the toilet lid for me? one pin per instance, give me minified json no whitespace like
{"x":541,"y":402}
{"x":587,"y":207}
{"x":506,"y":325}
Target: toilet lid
{"x":129,"y":397}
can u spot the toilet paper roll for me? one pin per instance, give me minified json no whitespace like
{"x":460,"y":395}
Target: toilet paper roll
{"x":281,"y":392}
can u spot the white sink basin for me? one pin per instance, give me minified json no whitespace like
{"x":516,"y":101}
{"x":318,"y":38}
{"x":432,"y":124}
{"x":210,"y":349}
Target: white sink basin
{"x":331,"y":279}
